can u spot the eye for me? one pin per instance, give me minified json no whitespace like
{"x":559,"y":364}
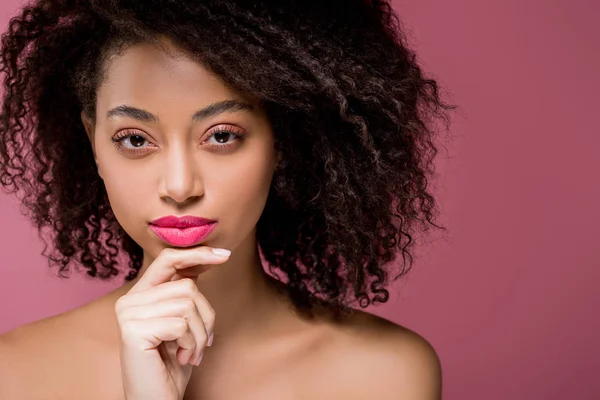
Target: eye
{"x":224,"y":138}
{"x":131,"y":142}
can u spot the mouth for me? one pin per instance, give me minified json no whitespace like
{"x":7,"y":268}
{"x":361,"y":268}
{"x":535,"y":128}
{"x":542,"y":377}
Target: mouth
{"x":182,"y":231}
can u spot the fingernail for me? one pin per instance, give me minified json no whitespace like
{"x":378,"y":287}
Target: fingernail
{"x":210,"y":339}
{"x":221,"y":252}
{"x":199,"y":359}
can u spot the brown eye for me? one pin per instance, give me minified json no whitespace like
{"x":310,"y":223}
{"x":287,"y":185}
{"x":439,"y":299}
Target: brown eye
{"x":224,"y":139}
{"x":136,"y":140}
{"x":132,"y":142}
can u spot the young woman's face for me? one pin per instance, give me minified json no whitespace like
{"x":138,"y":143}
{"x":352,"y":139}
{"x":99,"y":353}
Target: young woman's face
{"x":171,"y":139}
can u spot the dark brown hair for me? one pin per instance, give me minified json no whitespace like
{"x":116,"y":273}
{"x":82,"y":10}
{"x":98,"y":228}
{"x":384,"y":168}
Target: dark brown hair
{"x":351,"y":109}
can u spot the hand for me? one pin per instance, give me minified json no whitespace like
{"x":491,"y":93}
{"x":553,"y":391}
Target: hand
{"x":165,"y":324}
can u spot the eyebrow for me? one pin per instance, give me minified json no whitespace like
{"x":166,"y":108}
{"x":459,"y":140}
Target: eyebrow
{"x":204,"y":113}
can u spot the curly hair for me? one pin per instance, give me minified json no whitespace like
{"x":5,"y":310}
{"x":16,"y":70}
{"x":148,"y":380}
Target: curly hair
{"x":351,"y":110}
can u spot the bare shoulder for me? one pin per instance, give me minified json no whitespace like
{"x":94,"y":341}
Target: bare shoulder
{"x":51,"y":359}
{"x":385,"y":360}
{"x":24,"y":354}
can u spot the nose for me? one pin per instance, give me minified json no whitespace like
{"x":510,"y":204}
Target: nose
{"x":180,"y":180}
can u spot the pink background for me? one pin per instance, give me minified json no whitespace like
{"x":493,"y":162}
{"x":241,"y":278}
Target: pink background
{"x":510,"y":300}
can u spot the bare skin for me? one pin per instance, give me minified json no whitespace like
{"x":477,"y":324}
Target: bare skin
{"x":75,"y":355}
{"x":262,"y":348}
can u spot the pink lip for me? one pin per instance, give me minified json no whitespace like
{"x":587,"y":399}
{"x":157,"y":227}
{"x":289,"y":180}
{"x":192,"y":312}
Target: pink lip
{"x":182,"y":231}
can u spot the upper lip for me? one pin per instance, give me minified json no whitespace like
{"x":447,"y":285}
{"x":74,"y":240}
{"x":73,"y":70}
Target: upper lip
{"x":171,"y":221}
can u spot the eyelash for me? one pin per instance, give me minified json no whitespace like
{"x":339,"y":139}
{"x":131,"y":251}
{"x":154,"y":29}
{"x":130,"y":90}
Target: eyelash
{"x":119,"y":137}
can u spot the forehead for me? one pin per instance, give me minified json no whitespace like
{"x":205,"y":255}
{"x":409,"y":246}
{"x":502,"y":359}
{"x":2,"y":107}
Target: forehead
{"x":148,"y":75}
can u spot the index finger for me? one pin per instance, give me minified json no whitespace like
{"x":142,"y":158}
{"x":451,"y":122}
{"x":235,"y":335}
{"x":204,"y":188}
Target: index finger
{"x":165,"y":266}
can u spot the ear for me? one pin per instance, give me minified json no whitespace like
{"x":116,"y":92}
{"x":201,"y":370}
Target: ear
{"x":90,"y":129}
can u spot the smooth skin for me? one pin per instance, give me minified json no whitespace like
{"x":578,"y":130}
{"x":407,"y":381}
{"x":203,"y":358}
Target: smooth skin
{"x":187,"y":305}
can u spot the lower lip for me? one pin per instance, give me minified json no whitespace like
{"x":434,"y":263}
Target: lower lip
{"x":183,"y":237}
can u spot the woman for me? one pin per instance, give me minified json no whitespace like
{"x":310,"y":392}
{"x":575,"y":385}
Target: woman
{"x":201,"y":139}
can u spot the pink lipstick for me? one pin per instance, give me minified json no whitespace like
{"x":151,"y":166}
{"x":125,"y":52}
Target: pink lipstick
{"x":182,"y":231}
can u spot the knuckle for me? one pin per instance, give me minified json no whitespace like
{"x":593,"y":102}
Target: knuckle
{"x":180,"y":326}
{"x":124,"y":314}
{"x":120,"y":304}
{"x":171,"y":256}
{"x":130,"y":329}
{"x":167,"y":253}
{"x":188,"y":285}
{"x":188,"y":305}
{"x":203,"y":337}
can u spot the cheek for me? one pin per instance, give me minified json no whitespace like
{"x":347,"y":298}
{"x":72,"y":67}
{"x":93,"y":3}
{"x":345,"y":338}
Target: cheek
{"x":249,"y":185}
{"x":126,"y":187}
{"x":124,"y":190}
{"x":242,"y":191}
